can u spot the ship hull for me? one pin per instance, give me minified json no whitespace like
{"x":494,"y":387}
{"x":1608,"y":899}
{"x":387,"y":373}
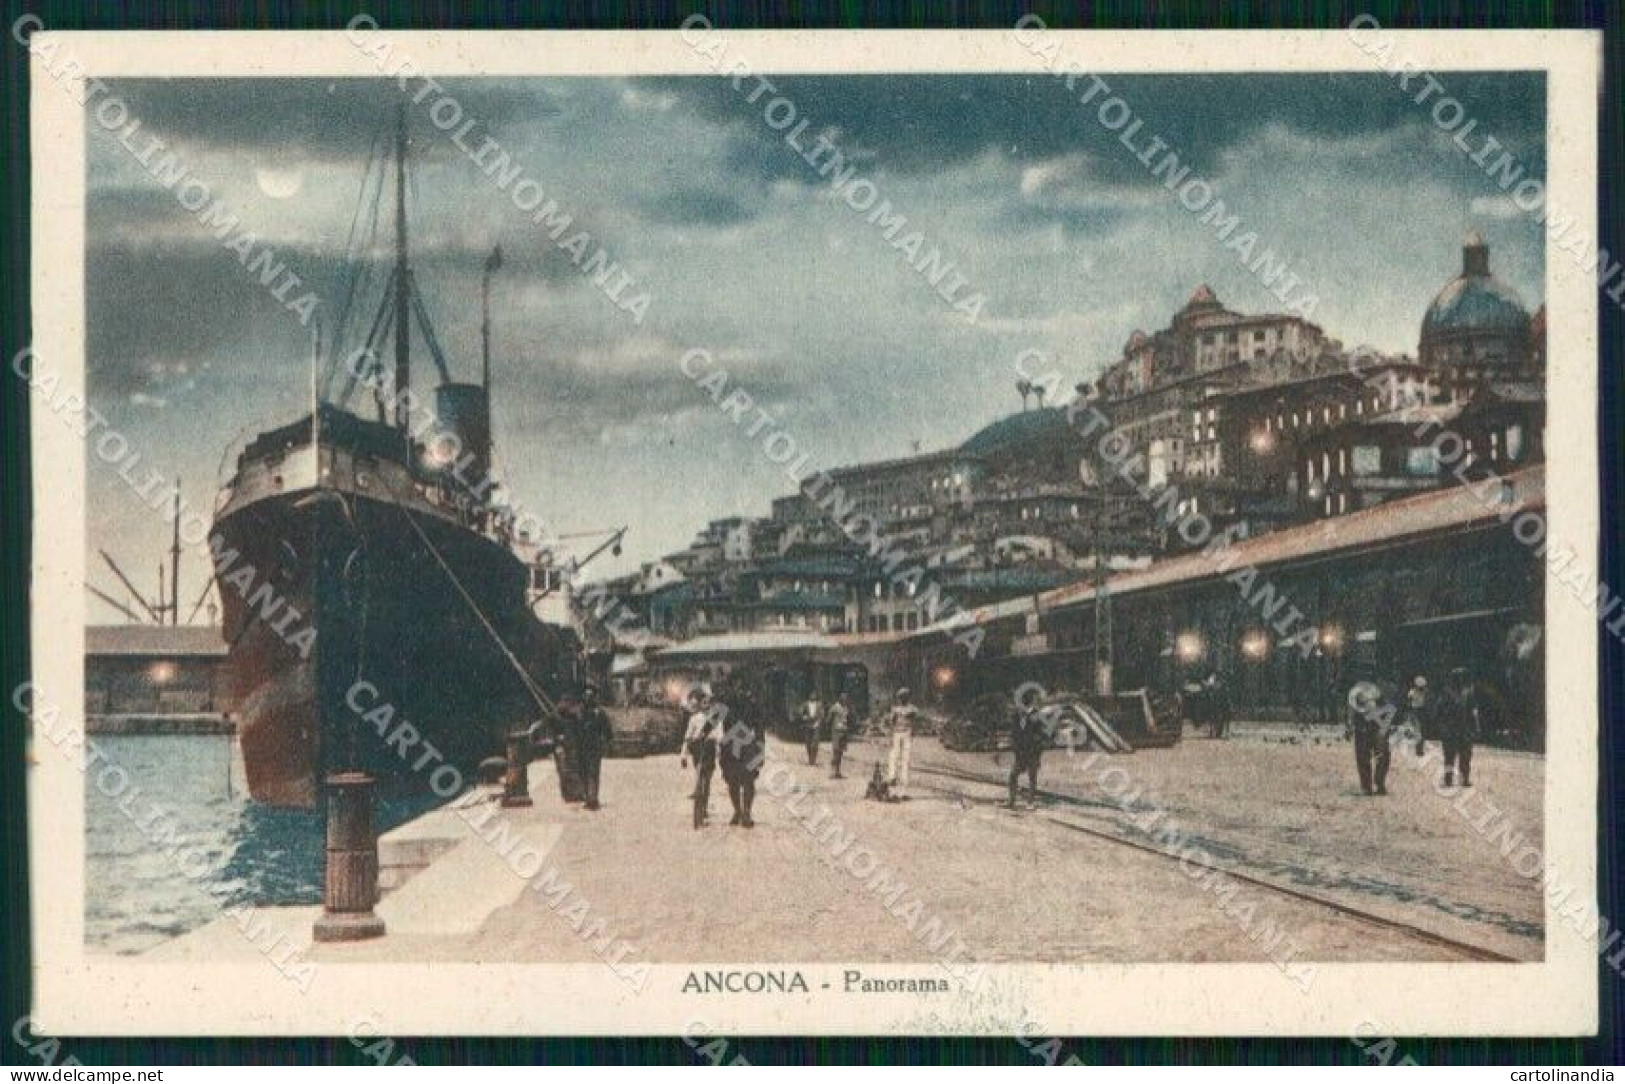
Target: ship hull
{"x":363,"y":635}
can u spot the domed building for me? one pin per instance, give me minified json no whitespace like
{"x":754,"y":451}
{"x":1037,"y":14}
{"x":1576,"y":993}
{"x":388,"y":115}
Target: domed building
{"x":1477,"y":328}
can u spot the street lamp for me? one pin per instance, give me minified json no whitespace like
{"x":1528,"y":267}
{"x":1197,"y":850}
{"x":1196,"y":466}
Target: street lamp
{"x":1255,"y":645}
{"x":1188,"y":646}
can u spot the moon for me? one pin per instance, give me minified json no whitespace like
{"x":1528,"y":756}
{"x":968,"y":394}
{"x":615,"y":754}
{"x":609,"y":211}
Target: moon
{"x":280,"y":183}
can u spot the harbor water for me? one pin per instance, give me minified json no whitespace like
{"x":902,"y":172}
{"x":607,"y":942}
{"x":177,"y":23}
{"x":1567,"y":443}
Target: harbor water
{"x":183,"y":842}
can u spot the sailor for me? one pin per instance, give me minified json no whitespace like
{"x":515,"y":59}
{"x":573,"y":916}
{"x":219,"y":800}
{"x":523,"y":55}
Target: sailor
{"x":1028,"y":740}
{"x":1457,"y":720}
{"x":840,"y":732}
{"x":1371,"y":711}
{"x":594,"y":740}
{"x":900,"y":725}
{"x":700,"y":746}
{"x":812,"y":714}
{"x":742,"y":751}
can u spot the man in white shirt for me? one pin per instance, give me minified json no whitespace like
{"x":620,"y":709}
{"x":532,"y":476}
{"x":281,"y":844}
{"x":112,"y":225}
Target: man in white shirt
{"x":840,"y":732}
{"x":900,"y":724}
{"x":812,"y":714}
{"x":700,"y":744}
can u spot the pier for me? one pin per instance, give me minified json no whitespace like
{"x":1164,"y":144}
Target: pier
{"x":1256,"y":848}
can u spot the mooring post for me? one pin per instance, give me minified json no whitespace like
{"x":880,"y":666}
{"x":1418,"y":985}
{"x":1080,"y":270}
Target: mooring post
{"x":351,"y":887}
{"x":516,"y":782}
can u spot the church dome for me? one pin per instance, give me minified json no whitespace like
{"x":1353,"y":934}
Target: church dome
{"x":1202,"y":297}
{"x":1475,"y":301}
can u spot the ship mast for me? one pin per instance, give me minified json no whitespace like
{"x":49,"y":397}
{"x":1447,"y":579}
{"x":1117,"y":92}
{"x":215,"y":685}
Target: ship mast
{"x":175,"y":562}
{"x":403,"y":284}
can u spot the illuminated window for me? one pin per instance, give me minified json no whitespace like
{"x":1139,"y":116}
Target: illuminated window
{"x":1514,"y":442}
{"x":1422,"y":461}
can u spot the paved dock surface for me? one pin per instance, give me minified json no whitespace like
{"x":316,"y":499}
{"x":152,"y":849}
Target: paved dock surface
{"x":1052,"y":883}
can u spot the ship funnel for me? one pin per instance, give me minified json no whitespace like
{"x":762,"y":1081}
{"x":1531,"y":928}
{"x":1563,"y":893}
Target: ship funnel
{"x":459,"y":445}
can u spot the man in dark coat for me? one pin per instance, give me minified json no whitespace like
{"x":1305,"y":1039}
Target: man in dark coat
{"x":567,"y":748}
{"x":592,"y":742}
{"x":741,"y":754}
{"x":1028,"y":739}
{"x":1457,"y":720}
{"x":1371,"y":716}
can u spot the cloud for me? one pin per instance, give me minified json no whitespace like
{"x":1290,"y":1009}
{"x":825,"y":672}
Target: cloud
{"x":745,"y":251}
{"x":1496,"y":207}
{"x":317,"y":120}
{"x":690,"y":205}
{"x":918,"y":124}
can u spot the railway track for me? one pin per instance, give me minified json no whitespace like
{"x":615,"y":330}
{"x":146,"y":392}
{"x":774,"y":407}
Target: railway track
{"x":1465,"y":949}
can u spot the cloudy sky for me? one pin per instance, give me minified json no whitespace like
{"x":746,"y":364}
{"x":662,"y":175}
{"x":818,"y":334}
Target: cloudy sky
{"x":744,"y":251}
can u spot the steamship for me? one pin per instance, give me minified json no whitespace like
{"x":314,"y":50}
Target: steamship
{"x":385,"y":585}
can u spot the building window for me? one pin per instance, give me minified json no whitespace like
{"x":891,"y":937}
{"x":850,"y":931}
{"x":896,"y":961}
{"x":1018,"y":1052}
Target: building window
{"x":1514,"y":442}
{"x":1422,"y":461}
{"x":1367,"y":459}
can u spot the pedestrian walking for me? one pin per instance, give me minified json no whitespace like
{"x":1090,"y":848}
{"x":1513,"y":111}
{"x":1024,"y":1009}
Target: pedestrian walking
{"x":1418,"y":713}
{"x":1457,"y":719}
{"x":1371,"y":711}
{"x":812,"y":714}
{"x":1218,"y":705}
{"x":840,"y":732}
{"x":700,"y":742}
{"x":592,"y":743}
{"x":567,"y":749}
{"x":900,"y":724}
{"x":742,"y":750}
{"x":1028,"y":740}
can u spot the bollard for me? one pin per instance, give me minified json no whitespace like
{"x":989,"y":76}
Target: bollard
{"x":351,"y":887}
{"x":516,"y":783}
